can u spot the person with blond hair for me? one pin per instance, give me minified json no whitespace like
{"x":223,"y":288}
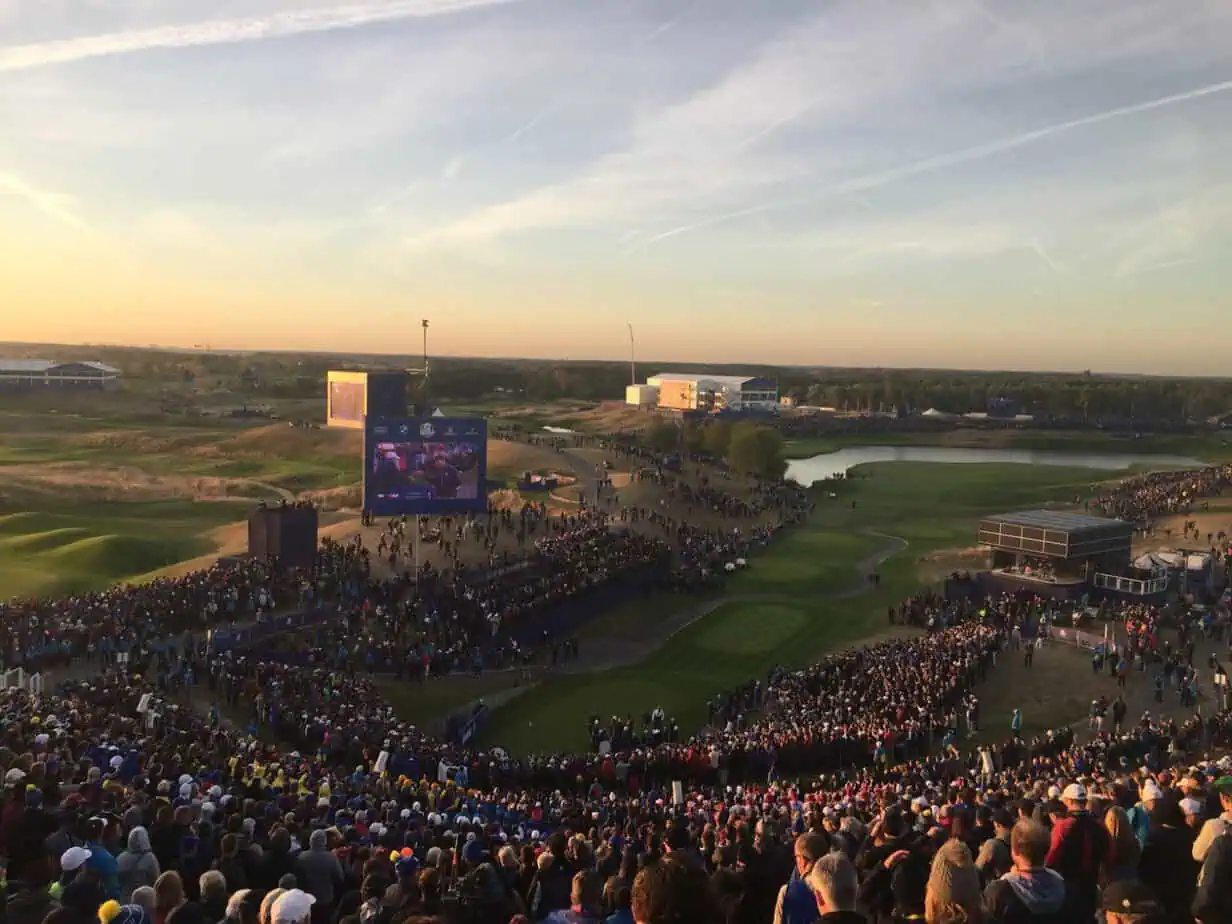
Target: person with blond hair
{"x":953,"y":892}
{"x":267,"y":906}
{"x":168,"y":895}
{"x":1126,"y":851}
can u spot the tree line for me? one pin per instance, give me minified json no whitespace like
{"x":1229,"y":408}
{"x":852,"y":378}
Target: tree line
{"x":748,"y":447}
{"x":1078,"y":396}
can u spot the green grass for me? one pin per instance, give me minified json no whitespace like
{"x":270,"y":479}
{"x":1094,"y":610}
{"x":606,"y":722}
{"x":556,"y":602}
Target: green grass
{"x":932,"y":506}
{"x":89,"y":547}
{"x":1210,"y":447}
{"x":806,"y":562}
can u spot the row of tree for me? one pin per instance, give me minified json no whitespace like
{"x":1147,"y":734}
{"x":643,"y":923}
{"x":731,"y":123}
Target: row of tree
{"x":747,"y":447}
{"x":1071,"y":396}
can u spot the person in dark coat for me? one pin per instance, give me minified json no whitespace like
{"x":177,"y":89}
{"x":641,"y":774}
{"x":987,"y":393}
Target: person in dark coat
{"x":1167,"y":866}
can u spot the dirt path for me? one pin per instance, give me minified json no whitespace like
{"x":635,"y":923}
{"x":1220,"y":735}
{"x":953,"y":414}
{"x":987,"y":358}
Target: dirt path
{"x":281,"y":494}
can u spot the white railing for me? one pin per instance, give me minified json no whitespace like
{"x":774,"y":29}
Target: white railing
{"x":18,"y":679}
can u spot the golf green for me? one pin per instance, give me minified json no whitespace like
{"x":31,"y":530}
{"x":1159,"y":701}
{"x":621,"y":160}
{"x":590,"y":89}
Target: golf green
{"x":788,"y":608}
{"x":752,"y":629}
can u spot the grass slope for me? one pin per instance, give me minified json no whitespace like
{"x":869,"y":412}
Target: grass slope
{"x":89,"y":547}
{"x":931,"y":506}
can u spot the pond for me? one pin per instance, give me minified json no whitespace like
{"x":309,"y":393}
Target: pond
{"x":831,"y":464}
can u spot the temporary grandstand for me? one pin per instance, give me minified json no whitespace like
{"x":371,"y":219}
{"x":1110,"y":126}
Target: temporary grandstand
{"x":46,"y":373}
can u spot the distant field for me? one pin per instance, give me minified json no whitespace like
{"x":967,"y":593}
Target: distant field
{"x":101,"y":488}
{"x":1210,"y":447}
{"x":932,"y":507}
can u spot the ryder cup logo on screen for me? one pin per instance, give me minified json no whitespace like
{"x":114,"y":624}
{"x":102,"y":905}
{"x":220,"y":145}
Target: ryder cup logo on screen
{"x":426,"y":429}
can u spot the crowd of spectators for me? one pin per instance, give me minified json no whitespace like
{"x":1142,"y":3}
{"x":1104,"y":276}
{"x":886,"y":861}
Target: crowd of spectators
{"x":275,"y":784}
{"x":1146,"y":497}
{"x":844,"y":791}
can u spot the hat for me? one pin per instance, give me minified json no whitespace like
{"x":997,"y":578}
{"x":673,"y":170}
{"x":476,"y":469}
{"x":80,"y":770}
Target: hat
{"x":14,"y":776}
{"x":108,"y":911}
{"x":1223,"y":785}
{"x":1074,"y":792}
{"x":1129,"y":896}
{"x":130,"y":914}
{"x":74,"y":859}
{"x":291,"y":907}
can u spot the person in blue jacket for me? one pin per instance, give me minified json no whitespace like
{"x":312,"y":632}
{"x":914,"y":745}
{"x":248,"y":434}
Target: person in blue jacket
{"x":796,"y":904}
{"x":101,"y":860}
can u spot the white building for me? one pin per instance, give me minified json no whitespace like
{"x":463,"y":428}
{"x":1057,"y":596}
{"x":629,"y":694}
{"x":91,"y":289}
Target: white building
{"x":689,"y":391}
{"x":642,"y":395}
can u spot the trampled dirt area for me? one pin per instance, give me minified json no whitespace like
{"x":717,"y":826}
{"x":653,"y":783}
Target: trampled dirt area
{"x":86,"y":481}
{"x":1169,"y":532}
{"x":281,"y":440}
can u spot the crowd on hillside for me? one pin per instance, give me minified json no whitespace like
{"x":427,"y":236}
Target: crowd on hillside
{"x":124,"y":803}
{"x":848,"y":790}
{"x":100,"y":626}
{"x":1145,"y":497}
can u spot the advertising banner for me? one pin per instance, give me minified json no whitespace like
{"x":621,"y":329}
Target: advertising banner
{"x":425,"y":467}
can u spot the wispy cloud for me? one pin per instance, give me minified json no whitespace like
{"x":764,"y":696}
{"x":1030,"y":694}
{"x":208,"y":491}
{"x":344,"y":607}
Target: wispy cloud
{"x":1038,"y":249}
{"x":957,"y":158}
{"x":56,"y":205}
{"x":780,"y":129}
{"x":1159,"y":267}
{"x":230,"y":31}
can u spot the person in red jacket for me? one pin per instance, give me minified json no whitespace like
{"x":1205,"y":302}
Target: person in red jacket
{"x":1081,"y":851}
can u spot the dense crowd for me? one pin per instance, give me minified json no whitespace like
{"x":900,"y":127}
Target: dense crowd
{"x":842,"y":790}
{"x":1156,"y":494}
{"x":273,"y":783}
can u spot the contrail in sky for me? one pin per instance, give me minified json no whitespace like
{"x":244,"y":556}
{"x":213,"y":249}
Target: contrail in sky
{"x":230,"y":31}
{"x":954,"y":158}
{"x":54,"y":205}
{"x":1047,"y":258}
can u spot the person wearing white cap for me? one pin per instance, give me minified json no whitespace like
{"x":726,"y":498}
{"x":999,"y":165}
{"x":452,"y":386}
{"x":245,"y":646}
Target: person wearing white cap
{"x":1081,"y":851}
{"x":292,"y":907}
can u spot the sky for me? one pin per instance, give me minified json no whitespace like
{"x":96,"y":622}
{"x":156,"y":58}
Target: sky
{"x":964,"y":183}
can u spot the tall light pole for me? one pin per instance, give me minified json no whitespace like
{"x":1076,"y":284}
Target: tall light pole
{"x":632,"y":357}
{"x":424,"y":386}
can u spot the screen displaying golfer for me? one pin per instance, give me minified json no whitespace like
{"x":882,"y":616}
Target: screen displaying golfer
{"x":421,"y":470}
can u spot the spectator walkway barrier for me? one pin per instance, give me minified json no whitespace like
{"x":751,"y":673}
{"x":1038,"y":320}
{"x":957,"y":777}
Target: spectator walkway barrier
{"x":18,"y":679}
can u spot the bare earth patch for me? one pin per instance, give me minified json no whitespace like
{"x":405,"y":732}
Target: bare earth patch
{"x":86,"y":481}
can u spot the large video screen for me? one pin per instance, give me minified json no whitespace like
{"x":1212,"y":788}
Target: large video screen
{"x":425,"y":467}
{"x":346,"y":401}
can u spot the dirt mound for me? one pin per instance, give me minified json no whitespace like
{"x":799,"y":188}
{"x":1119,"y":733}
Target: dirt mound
{"x":509,"y":458}
{"x":609,"y":417}
{"x":348,"y":496}
{"x":285,"y":440}
{"x":141,"y":442}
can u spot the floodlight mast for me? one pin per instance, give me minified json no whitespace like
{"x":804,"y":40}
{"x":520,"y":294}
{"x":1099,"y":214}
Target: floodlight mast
{"x":423,"y":372}
{"x":632,"y":356}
